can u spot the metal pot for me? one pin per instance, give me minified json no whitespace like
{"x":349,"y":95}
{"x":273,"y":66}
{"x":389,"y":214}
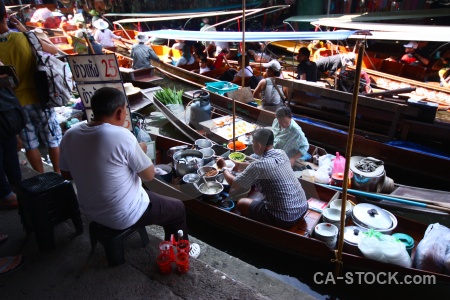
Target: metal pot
{"x":187,"y":161}
{"x":203,"y":143}
{"x":175,"y":149}
{"x":373,"y":217}
{"x":367,"y":181}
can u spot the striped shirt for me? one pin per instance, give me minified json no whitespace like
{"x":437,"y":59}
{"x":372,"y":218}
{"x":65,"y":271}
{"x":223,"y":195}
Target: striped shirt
{"x":272,"y":175}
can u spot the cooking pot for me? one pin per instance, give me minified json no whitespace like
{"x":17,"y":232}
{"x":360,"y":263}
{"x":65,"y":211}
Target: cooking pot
{"x":212,"y":191}
{"x":369,"y":180}
{"x":370,"y":216}
{"x":203,"y":143}
{"x":175,"y":149}
{"x":187,"y":161}
{"x":352,"y":236}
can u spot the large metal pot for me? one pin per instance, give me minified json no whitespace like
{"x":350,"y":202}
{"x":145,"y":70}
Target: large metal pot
{"x":187,"y":161}
{"x":370,"y":216}
{"x":369,"y":180}
{"x":175,"y":149}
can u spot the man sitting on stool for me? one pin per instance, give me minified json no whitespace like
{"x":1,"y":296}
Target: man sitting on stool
{"x":107,"y":164}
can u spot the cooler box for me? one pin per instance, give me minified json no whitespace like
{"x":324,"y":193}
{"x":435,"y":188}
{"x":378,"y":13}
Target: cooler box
{"x":221,"y":87}
{"x":427,"y":111}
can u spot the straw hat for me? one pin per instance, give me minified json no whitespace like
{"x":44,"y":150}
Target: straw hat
{"x":100,"y":24}
{"x":130,"y":89}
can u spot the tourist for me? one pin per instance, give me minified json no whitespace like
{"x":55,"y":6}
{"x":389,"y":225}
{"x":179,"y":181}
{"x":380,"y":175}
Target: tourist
{"x":289,"y":136}
{"x":142,"y":54}
{"x":108,"y":165}
{"x":276,"y":196}
{"x":203,"y":65}
{"x":220,"y":59}
{"x":272,"y":96}
{"x":332,"y":63}
{"x":179,"y":44}
{"x":42,"y":125}
{"x":79,"y":33}
{"x":104,"y":36}
{"x":306,"y":69}
{"x":414,"y":56}
{"x":186,"y":57}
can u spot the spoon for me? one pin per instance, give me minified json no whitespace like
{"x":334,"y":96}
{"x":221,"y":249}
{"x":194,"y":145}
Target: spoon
{"x":205,"y":181}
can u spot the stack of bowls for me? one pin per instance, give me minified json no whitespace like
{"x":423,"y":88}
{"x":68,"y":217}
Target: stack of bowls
{"x":333,"y":216}
{"x":338,"y":205}
{"x":326,"y":233}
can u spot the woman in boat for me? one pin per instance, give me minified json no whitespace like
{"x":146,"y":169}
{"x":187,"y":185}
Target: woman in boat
{"x":186,"y":57}
{"x":203,"y":65}
{"x":289,"y":136}
{"x":276,"y":196}
{"x":219,"y":59}
{"x":272,"y":95}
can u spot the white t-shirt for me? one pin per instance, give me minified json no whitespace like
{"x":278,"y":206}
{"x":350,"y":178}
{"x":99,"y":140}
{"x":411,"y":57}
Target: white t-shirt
{"x":204,"y":70}
{"x":104,"y":161}
{"x":178,"y":45}
{"x":182,"y":61}
{"x":105,"y":38}
{"x":247,"y":72}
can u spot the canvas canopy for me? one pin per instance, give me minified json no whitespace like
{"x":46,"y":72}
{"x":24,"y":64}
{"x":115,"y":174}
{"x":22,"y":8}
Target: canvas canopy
{"x":229,"y":36}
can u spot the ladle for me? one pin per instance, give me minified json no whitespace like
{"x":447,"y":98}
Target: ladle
{"x":205,"y":181}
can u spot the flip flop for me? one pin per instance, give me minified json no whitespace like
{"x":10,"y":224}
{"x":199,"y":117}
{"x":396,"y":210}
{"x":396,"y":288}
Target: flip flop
{"x":3,"y":237}
{"x":9,"y":264}
{"x":9,"y":203}
{"x":195,"y":250}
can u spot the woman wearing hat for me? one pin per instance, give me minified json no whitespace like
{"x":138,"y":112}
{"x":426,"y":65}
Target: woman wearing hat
{"x":104,"y":36}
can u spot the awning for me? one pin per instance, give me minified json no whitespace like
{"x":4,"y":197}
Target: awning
{"x":233,"y":36}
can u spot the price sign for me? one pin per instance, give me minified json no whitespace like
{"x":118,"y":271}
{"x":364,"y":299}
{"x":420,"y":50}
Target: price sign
{"x":86,"y":91}
{"x":94,"y":68}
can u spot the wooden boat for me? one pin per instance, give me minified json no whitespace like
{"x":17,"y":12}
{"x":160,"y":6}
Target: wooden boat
{"x":330,"y":135}
{"x":397,"y":191}
{"x":299,"y":239}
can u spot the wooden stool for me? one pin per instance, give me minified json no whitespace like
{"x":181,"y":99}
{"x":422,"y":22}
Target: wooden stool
{"x":112,"y":241}
{"x":46,"y":200}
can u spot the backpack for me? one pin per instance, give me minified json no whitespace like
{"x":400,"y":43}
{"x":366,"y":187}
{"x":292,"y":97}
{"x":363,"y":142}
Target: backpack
{"x":12,"y":118}
{"x":53,"y":79}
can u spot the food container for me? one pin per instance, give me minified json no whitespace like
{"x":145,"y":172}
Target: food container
{"x":208,"y":155}
{"x":352,"y":236}
{"x":367,"y":181}
{"x":167,"y":177}
{"x":370,"y":216}
{"x":209,"y":173}
{"x":212,"y":191}
{"x":337,"y":203}
{"x":326,"y":233}
{"x":175,"y":149}
{"x":187,"y":161}
{"x":332,"y":215}
{"x":237,"y":157}
{"x":203,"y":143}
{"x":240,"y":147}
{"x":191,"y":178}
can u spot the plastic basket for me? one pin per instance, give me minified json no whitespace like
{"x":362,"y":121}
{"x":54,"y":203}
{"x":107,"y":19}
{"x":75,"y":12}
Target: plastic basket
{"x":221,"y":87}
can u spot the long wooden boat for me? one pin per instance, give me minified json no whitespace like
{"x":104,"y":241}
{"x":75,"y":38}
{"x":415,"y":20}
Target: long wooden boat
{"x":298,"y":240}
{"x":398,"y":190}
{"x":398,"y":159}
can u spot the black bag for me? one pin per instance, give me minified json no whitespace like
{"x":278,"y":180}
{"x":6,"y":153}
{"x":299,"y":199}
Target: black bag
{"x":254,"y":80}
{"x":12,"y":118}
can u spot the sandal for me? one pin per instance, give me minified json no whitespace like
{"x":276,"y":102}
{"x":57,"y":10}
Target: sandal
{"x":195,"y":250}
{"x":9,"y":264}
{"x":3,"y":237}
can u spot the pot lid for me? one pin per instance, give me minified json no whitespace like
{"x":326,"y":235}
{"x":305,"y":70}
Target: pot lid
{"x":353,"y":234}
{"x":372,"y":216}
{"x":374,"y":167}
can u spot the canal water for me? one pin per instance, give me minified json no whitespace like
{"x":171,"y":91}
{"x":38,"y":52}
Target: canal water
{"x":304,"y":274}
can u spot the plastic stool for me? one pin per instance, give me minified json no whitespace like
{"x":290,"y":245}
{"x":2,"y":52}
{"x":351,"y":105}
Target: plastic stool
{"x":46,"y":200}
{"x":112,"y":241}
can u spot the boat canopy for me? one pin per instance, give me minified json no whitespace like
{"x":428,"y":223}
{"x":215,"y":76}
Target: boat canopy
{"x":172,"y":16}
{"x":376,"y":16}
{"x":234,"y":36}
{"x":404,"y":36}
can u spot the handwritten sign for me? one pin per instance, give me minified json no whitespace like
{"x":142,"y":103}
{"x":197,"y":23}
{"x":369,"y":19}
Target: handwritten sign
{"x":94,"y":68}
{"x":127,"y":124}
{"x":87,"y":90}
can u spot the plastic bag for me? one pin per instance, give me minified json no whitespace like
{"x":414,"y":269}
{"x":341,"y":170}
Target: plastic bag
{"x":142,"y":135}
{"x":338,"y":164}
{"x":385,"y":248}
{"x":431,"y":252}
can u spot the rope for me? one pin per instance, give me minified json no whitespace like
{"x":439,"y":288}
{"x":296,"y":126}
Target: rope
{"x":336,"y":261}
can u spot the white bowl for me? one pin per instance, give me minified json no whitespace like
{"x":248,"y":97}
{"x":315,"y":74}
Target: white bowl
{"x":332,"y":215}
{"x":338,"y":204}
{"x":325,"y":231}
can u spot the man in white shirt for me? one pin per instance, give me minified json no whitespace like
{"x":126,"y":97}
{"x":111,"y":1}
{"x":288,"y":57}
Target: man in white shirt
{"x":107,"y":164}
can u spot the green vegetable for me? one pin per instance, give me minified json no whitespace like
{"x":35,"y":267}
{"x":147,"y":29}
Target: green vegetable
{"x":169,"y":96}
{"x":237,"y":156}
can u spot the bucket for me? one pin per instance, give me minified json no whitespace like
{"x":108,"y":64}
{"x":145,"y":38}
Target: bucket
{"x":407,"y":240}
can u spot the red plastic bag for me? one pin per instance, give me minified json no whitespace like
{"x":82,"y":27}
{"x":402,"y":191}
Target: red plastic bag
{"x":338,"y":164}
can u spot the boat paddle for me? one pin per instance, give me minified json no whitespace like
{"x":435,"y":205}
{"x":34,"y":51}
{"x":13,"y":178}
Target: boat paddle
{"x":390,"y":198}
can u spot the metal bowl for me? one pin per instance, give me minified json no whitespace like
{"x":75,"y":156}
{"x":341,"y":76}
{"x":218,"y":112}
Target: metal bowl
{"x":205,"y":169}
{"x":203,"y":143}
{"x":191,"y":178}
{"x":213,"y":188}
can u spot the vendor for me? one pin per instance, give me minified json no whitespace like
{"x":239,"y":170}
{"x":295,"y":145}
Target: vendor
{"x":276,"y":197}
{"x":289,"y":136}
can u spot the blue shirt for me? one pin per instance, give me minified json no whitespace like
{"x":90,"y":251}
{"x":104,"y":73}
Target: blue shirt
{"x":292,"y":139}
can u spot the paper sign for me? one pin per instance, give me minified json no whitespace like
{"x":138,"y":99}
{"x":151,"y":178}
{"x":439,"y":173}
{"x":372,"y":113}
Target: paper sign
{"x":94,"y":68}
{"x":86,"y":91}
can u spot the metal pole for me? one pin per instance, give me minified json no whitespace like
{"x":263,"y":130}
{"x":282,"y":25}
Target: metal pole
{"x":348,"y":153}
